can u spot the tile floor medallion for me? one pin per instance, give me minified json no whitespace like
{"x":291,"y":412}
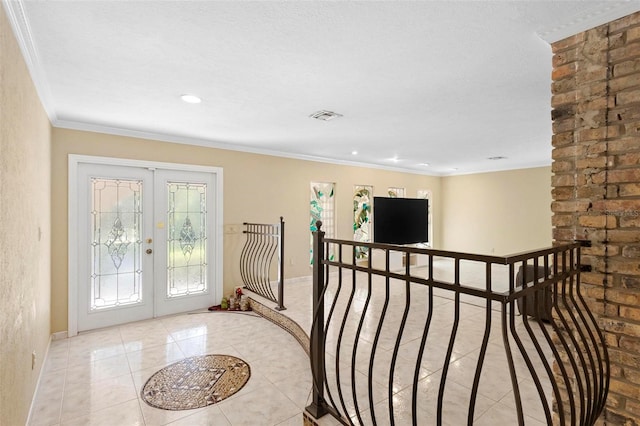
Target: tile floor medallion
{"x":196,"y":382}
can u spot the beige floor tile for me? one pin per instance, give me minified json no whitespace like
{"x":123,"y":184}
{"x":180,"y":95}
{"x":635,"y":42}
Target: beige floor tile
{"x":148,"y":340}
{"x":292,"y":421}
{"x":500,"y":414}
{"x":267,"y":404}
{"x":154,"y":357}
{"x":95,"y":345}
{"x":531,"y":400}
{"x":297,"y":388}
{"x":88,"y":372}
{"x":125,"y":414}
{"x":85,"y":398}
{"x":209,"y":416}
{"x":157,"y":417}
{"x":206,"y":344}
{"x":47,"y":404}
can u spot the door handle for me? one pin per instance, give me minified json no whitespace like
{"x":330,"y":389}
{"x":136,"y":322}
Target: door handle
{"x":149,"y":251}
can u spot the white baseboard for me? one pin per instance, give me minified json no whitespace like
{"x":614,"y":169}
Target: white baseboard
{"x":40,"y":373}
{"x":59,"y":335}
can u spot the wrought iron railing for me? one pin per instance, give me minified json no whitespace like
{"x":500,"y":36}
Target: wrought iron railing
{"x":440,"y":341}
{"x":264,"y":243}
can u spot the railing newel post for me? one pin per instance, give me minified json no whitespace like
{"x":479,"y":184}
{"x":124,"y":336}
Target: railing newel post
{"x":318,"y":408}
{"x":280,"y":306}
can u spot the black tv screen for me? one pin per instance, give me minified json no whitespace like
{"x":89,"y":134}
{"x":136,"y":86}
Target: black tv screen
{"x":400,"y":220}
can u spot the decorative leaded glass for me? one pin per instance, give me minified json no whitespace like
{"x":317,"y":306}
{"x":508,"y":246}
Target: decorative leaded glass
{"x":395,"y":192}
{"x":116,"y":243}
{"x":186,"y":239}
{"x":322,"y":207}
{"x":426,"y":194}
{"x":362,"y":198}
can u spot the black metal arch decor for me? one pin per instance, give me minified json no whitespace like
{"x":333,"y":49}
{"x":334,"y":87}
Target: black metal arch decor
{"x":380,"y":335}
{"x":264,"y":242}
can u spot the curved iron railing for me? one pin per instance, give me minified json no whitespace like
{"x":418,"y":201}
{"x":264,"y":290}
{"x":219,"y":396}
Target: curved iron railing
{"x":264,"y":242}
{"x":439,"y":342}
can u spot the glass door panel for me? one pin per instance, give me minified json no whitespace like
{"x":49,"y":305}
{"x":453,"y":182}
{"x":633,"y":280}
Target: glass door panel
{"x":184,"y":209}
{"x":115,"y":271}
{"x":116,"y":246}
{"x":186,"y":239}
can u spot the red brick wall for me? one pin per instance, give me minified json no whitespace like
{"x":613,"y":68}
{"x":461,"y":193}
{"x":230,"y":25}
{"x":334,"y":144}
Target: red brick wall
{"x":596,"y":188}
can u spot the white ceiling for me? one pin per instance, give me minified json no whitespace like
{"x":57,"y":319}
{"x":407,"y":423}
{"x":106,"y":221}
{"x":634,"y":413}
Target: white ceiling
{"x":444,"y":83}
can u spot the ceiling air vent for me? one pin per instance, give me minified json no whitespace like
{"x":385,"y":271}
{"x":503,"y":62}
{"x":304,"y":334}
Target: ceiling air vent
{"x":499,"y":157}
{"x":325,"y":115}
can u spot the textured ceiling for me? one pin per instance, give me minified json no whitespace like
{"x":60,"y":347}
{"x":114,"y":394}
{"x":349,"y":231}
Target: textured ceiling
{"x":445,"y":83}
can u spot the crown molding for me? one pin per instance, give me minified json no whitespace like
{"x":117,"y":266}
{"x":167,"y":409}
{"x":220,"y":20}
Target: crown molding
{"x":22,"y":32}
{"x":592,"y":18}
{"x":185,"y":140}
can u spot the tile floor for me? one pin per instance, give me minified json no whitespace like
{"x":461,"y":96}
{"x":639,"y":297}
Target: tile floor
{"x":95,"y":378}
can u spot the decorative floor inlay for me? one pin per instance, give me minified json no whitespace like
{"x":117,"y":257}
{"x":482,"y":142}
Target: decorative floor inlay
{"x":196,"y":382}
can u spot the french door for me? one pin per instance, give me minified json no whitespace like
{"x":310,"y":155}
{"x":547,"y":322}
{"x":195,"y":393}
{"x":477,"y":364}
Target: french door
{"x":147,"y":241}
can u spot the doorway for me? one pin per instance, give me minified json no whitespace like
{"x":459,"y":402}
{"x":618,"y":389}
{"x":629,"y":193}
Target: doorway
{"x":144,"y":240}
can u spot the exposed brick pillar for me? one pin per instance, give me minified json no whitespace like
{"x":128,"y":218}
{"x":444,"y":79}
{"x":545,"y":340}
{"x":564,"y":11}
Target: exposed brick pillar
{"x":596,"y":188}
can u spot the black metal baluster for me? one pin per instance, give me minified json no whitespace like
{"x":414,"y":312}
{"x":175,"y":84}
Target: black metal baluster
{"x":377,"y":337}
{"x":507,"y":346}
{"x":483,"y":347}
{"x":357,"y":337}
{"x":423,"y":341}
{"x":454,"y":330}
{"x":396,"y":346}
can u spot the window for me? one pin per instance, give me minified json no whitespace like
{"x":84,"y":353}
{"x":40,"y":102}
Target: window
{"x":395,"y":192}
{"x":362,"y":199}
{"x":426,"y":194}
{"x":322,"y":207}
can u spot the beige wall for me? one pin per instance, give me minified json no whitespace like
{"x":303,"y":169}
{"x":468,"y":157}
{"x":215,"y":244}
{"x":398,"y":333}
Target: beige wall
{"x":500,"y":213}
{"x":257,"y":188}
{"x":25,"y":203}
{"x":497,"y":213}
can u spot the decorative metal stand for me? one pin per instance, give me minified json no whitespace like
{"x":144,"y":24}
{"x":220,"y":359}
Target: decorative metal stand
{"x":264,"y":242}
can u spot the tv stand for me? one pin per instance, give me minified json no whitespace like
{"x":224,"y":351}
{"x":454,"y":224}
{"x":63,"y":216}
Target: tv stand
{"x":397,"y":260}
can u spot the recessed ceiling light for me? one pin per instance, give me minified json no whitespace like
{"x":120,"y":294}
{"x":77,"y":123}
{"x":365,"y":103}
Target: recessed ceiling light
{"x":394,"y":159}
{"x":423,"y":164}
{"x":190,"y":99}
{"x":325,"y":115}
{"x":354,"y":152}
{"x":453,"y":169}
{"x":498,"y":157}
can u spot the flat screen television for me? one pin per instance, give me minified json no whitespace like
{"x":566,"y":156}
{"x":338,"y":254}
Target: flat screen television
{"x":400,"y":220}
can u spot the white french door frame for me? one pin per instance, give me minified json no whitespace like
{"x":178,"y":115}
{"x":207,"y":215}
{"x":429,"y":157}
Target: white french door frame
{"x":73,"y":255}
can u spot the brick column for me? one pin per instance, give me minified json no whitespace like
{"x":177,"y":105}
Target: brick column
{"x":596,"y":188}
